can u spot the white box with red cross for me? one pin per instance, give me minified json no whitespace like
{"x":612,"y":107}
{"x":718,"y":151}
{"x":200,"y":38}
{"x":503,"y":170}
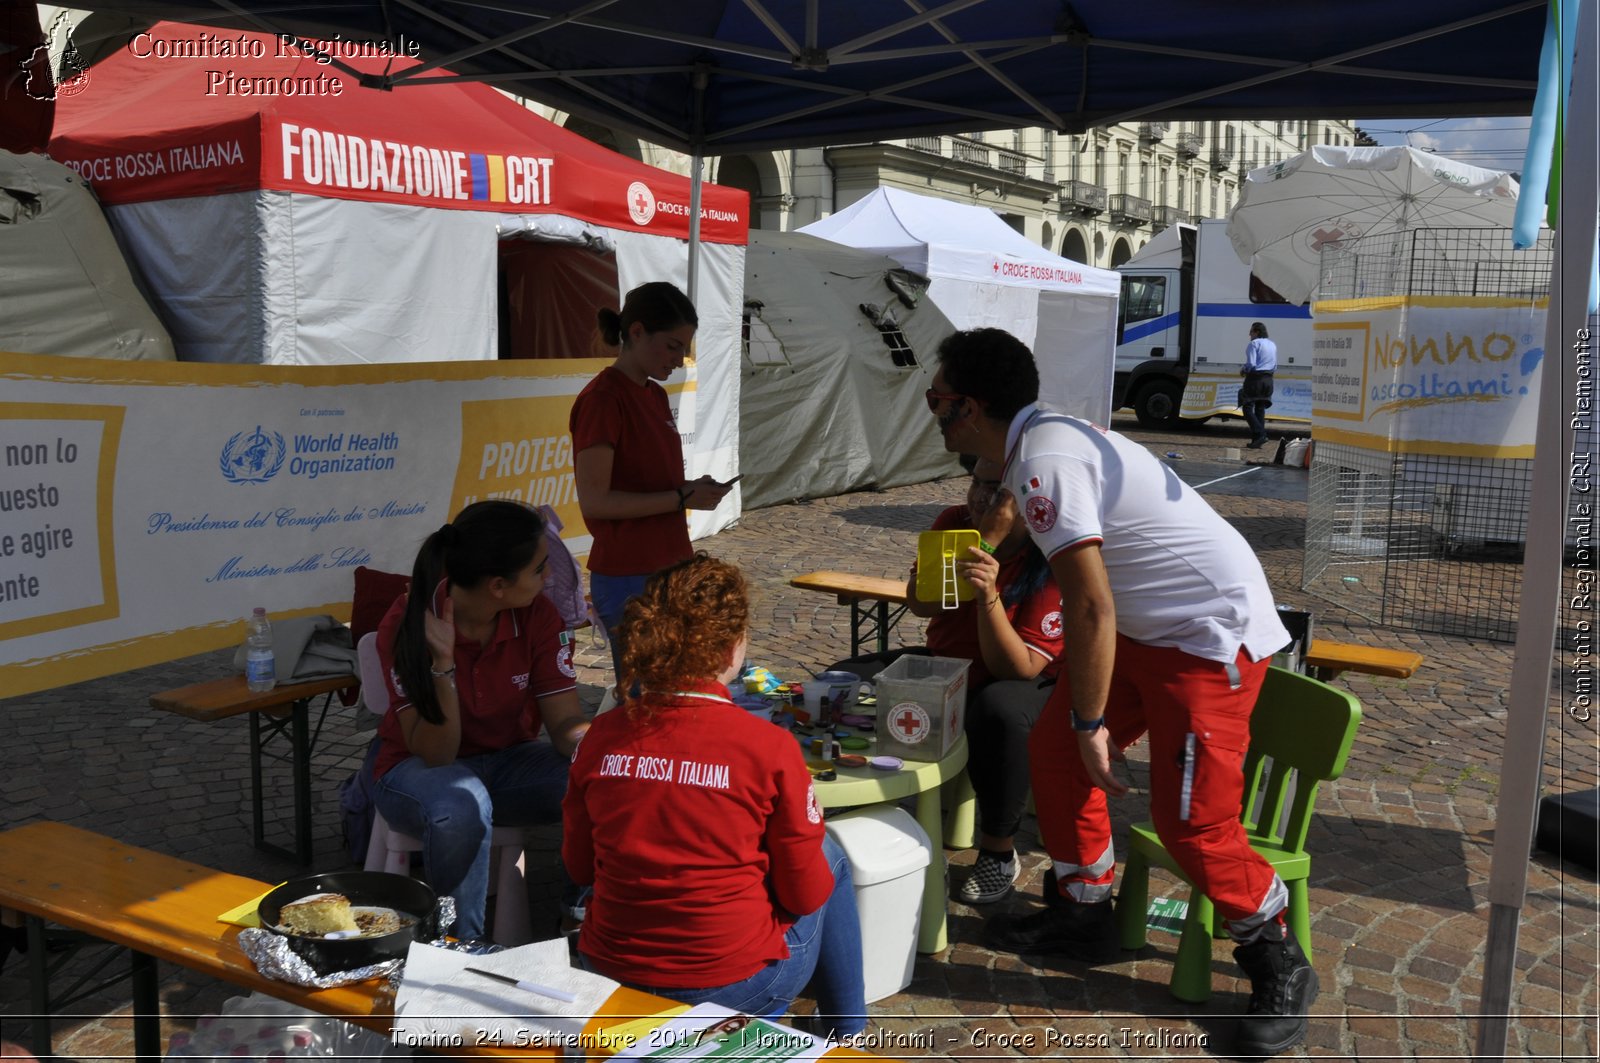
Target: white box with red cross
{"x":922,"y":704}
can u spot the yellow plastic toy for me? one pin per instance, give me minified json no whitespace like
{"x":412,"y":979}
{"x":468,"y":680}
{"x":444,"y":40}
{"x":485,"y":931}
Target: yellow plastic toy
{"x":937,"y":553}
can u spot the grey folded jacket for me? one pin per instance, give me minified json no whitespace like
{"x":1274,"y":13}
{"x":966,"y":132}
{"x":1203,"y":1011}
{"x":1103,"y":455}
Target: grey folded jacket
{"x":306,"y":648}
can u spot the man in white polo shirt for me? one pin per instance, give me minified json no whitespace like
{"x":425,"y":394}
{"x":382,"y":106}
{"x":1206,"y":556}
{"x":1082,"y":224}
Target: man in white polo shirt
{"x":1169,"y":628}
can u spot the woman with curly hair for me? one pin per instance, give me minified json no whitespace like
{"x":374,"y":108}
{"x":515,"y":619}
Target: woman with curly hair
{"x":476,"y":660}
{"x":697,"y":825}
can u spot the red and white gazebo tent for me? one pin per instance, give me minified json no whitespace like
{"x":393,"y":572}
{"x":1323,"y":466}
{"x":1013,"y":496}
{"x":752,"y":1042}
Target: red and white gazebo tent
{"x":284,"y":214}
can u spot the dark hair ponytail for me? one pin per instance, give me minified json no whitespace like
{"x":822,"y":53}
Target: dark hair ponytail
{"x":487,"y":539}
{"x":657,"y":306}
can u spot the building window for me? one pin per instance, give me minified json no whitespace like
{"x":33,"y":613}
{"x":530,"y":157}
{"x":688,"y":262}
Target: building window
{"x":1122,"y":172}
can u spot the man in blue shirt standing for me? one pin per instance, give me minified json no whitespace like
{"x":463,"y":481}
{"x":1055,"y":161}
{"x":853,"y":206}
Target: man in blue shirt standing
{"x":1255,"y":394}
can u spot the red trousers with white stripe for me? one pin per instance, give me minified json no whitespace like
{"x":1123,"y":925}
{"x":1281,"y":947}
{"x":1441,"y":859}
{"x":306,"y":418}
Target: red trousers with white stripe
{"x":1197,"y":714}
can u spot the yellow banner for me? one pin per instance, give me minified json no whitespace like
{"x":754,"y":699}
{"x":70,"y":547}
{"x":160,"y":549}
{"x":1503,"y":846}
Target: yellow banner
{"x":146,"y":508}
{"x":1429,"y":375}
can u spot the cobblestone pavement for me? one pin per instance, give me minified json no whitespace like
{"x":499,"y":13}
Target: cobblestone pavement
{"x":1402,"y":842}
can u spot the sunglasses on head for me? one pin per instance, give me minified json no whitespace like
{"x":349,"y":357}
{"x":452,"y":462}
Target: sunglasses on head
{"x":936,"y":397}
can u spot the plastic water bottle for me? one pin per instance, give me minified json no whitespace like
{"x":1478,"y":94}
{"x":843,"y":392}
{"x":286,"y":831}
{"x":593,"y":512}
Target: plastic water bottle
{"x":260,"y":666}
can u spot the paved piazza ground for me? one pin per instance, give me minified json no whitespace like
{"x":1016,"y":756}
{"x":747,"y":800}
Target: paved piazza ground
{"x":1402,"y":842}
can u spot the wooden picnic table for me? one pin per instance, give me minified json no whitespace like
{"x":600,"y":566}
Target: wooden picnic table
{"x":282,"y":712}
{"x":164,"y":910}
{"x":866,"y":622}
{"x":1327,"y":659}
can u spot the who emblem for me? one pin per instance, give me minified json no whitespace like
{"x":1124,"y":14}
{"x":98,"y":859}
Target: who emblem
{"x":252,"y":457}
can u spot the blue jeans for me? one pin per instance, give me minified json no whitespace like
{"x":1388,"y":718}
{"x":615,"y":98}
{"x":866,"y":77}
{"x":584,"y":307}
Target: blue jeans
{"x":610,"y":595}
{"x":453,"y":808}
{"x":824,"y":950}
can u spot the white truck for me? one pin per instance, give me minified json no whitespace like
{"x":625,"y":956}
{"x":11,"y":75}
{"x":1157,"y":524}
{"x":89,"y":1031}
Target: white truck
{"x":1186,"y":308}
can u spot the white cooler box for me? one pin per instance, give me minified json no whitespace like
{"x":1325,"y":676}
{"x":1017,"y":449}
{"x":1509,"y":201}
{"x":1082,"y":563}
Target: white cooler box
{"x":889,"y":854}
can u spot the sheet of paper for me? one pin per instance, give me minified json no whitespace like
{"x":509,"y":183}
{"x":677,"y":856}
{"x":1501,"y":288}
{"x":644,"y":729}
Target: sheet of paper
{"x":710,"y":1033}
{"x":245,"y":914}
{"x":441,"y":1004}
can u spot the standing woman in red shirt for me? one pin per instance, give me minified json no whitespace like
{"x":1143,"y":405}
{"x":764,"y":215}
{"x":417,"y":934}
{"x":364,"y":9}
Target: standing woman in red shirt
{"x":697,"y":825}
{"x":628,"y":456}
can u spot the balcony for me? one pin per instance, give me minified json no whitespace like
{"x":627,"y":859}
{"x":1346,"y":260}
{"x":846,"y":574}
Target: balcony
{"x":931,"y":145}
{"x":1165,"y":217}
{"x":1082,"y":198}
{"x":1153,"y":131}
{"x":1129,"y":210}
{"x":973,"y":151}
{"x":1221,"y":157}
{"x":1011,"y":161}
{"x":1188,"y":144}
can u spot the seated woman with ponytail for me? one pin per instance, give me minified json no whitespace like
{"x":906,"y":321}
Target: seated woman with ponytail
{"x":477,"y":660}
{"x":698,"y":828}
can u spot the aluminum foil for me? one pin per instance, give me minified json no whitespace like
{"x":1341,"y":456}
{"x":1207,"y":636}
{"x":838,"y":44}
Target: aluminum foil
{"x":275,"y":960}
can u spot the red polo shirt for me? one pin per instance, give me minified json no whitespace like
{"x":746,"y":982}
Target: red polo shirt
{"x":498,"y":686}
{"x":647,"y":456}
{"x":702,"y":837}
{"x":1036,"y":619}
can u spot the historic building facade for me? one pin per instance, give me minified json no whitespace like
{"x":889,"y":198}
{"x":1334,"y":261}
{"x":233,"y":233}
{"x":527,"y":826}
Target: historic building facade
{"x":1095,"y":197}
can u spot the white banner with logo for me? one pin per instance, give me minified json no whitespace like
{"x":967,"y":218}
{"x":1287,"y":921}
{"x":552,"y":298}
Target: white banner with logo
{"x":1428,"y":375}
{"x":145,"y":508}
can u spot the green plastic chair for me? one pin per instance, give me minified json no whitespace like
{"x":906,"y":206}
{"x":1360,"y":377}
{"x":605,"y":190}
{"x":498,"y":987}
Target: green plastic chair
{"x":1303,"y":727}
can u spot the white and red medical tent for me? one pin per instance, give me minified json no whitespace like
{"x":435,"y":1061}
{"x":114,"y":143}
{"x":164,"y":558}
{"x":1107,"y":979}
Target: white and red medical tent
{"x":286,"y":215}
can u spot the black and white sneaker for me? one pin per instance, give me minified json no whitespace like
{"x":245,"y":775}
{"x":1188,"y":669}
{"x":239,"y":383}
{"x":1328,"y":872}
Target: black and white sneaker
{"x":991,"y":880}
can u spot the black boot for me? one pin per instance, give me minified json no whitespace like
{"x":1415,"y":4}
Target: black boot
{"x":1083,"y":932}
{"x":1282,"y":987}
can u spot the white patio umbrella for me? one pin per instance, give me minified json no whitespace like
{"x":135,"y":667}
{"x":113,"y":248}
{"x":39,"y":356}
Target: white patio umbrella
{"x":1290,"y":212}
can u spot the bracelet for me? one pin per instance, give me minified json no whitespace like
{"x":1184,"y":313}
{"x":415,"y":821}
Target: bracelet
{"x":1087,"y":726}
{"x":441,"y":674}
{"x":683,"y":498}
{"x":992,"y":602}
{"x":986,"y":548}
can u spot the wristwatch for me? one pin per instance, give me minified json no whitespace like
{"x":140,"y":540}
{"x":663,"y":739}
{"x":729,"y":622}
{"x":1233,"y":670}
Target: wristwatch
{"x":1087,"y":726}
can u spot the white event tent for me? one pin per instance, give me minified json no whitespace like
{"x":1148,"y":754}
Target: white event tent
{"x":986,"y":274}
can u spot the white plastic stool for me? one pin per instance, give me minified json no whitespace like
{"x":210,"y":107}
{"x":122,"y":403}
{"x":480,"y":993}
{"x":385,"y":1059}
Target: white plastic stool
{"x":390,"y":850}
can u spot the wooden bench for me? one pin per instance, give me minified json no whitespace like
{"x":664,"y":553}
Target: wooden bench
{"x":163,"y":909}
{"x":1327,"y":659}
{"x":853,"y":590}
{"x":282,"y":712}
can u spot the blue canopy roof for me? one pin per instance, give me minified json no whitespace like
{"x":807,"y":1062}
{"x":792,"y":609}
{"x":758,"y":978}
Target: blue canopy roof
{"x":730,"y":75}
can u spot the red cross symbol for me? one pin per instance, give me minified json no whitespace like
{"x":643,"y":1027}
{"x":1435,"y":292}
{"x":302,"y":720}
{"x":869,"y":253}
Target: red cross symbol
{"x":995,"y":266}
{"x":907,"y":722}
{"x":1323,"y":238}
{"x":642,"y":203}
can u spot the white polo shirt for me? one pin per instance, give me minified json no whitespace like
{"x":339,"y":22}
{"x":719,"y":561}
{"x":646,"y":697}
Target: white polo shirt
{"x":1181,"y":576}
